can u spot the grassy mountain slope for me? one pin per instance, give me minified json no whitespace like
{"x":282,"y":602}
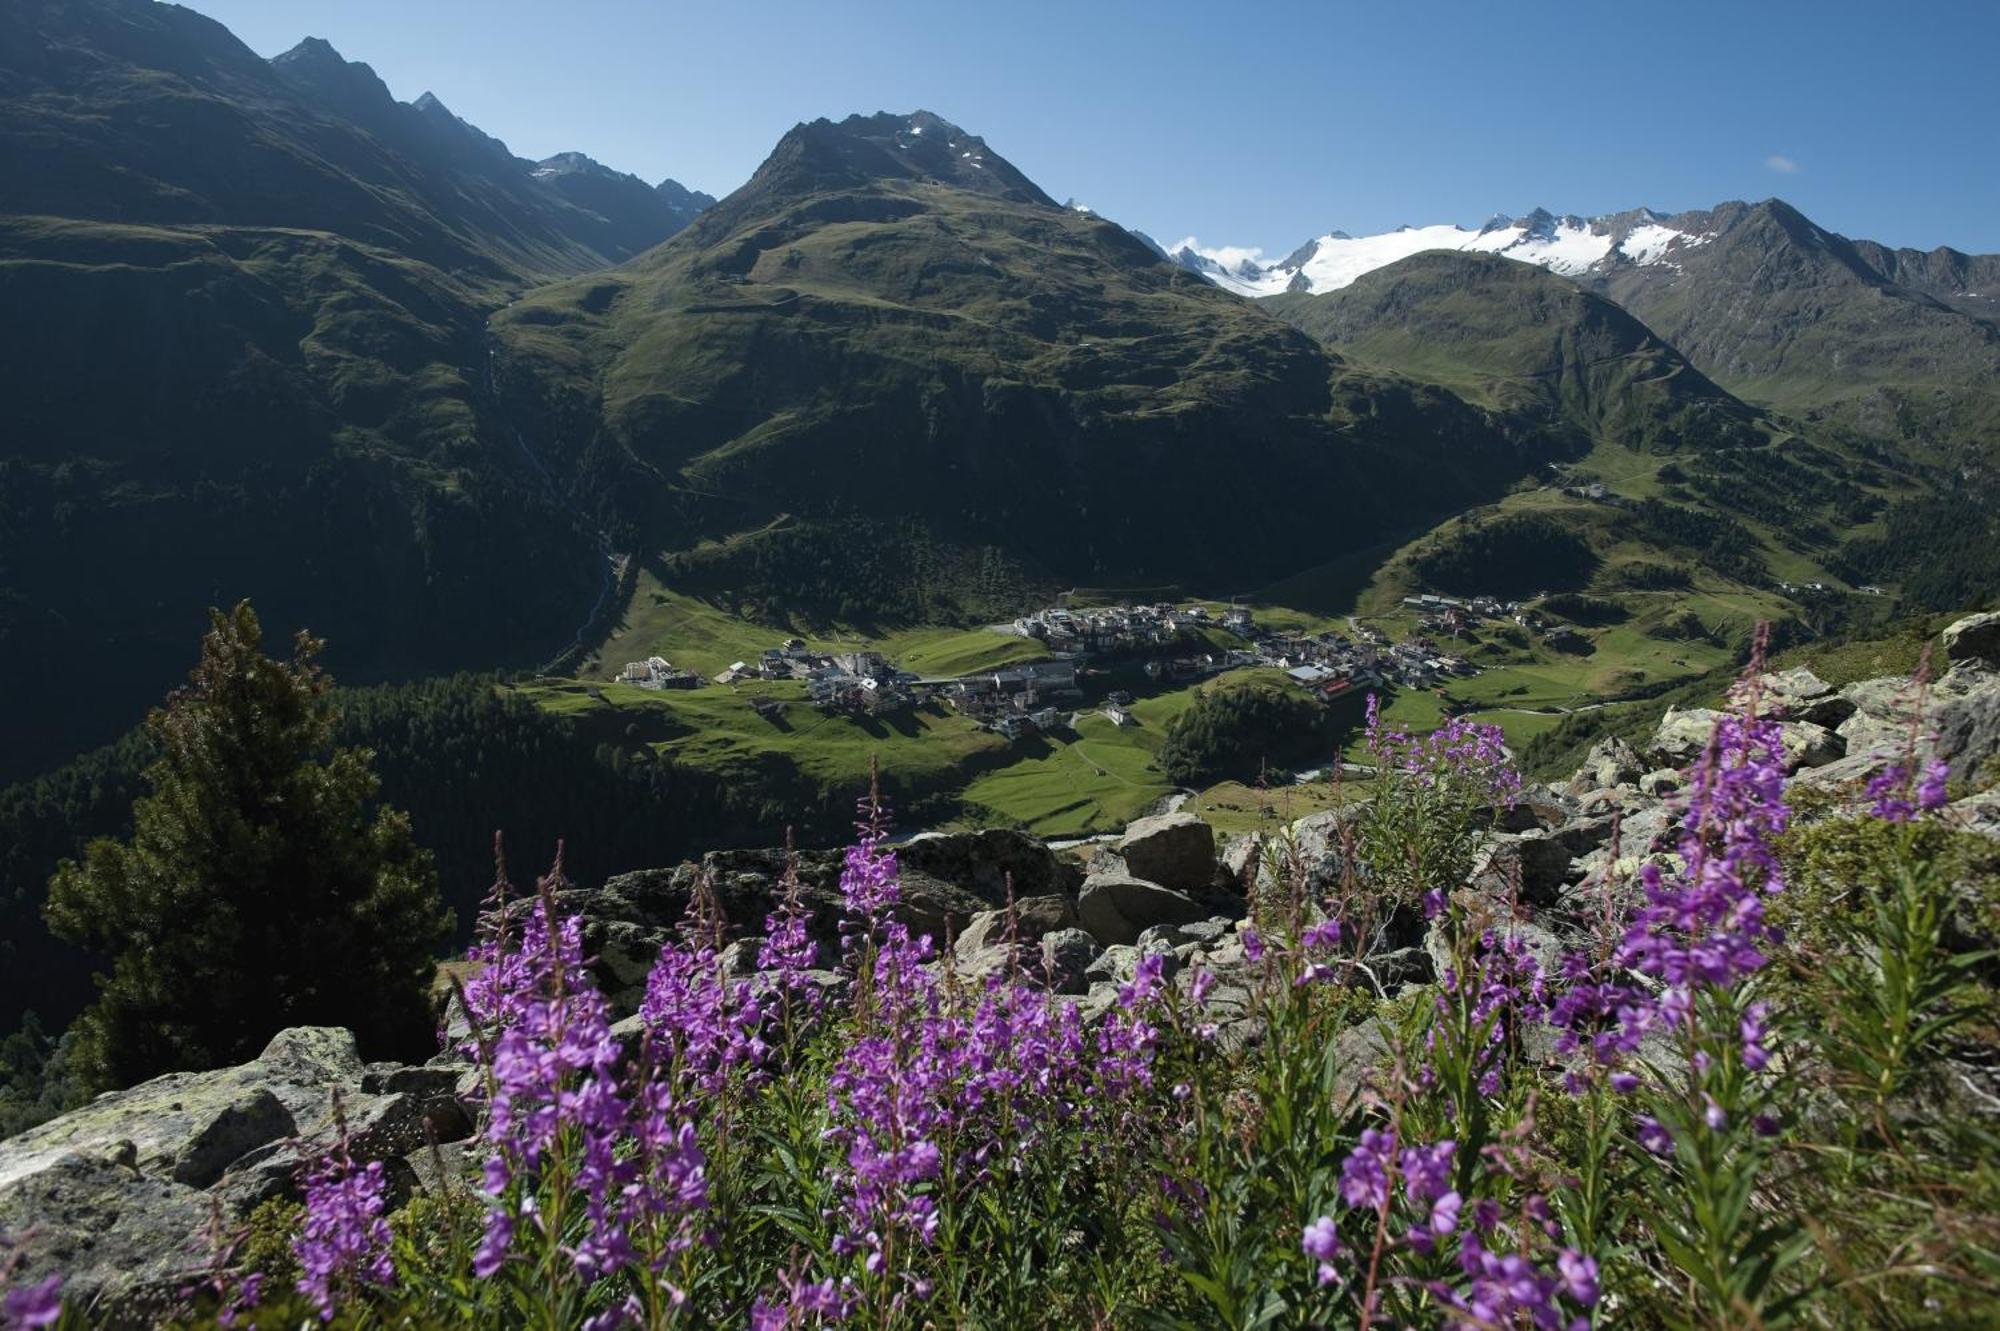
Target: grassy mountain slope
{"x":1894,"y":354}
{"x":1534,"y":347}
{"x":255,"y":365}
{"x":1784,"y":312}
{"x":890,"y":327}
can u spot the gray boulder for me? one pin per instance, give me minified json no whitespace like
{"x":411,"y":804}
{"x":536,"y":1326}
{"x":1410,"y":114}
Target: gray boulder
{"x":1208,"y":932}
{"x":1175,"y":850}
{"x":1066,"y":958}
{"x":1117,"y":908}
{"x":119,"y":1195}
{"x":1967,"y":731}
{"x":982,"y":863}
{"x":126,"y":1243}
{"x":1580,"y":836}
{"x":1960,"y":722}
{"x":1610,"y":762}
{"x":1031,"y":919}
{"x":1684,"y":733}
{"x":1660,"y":782}
{"x":1242,"y":857}
{"x":1535,"y":861}
{"x":1974,"y":638}
{"x":1800,"y":695}
{"x":1318,"y":844}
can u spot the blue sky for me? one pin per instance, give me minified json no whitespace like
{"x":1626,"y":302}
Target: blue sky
{"x":1253,"y":127}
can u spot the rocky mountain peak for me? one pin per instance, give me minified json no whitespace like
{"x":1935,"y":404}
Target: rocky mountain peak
{"x":919,"y":146}
{"x":339,"y":84}
{"x":572,"y":163}
{"x":683,"y":199}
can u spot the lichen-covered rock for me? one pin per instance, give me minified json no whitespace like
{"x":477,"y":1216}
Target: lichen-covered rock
{"x":1241,"y":858}
{"x":1066,"y":958}
{"x":1610,"y":762}
{"x":1800,"y":695}
{"x":982,"y":863}
{"x":1660,"y":782}
{"x":1319,"y":843}
{"x":1967,"y":731}
{"x":1684,"y":734}
{"x":125,"y":1242}
{"x":1175,"y":850}
{"x":947,"y":878}
{"x":1117,"y":908}
{"x":1974,"y":638}
{"x":1031,"y":919}
{"x":1535,"y":864}
{"x":119,"y":1195}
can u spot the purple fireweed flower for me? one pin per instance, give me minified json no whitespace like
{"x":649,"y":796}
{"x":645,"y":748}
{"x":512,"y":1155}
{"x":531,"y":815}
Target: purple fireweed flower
{"x":1579,"y":1276}
{"x":1654,"y":1137}
{"x":30,"y":1306}
{"x":1707,"y":926}
{"x":1752,"y":1030}
{"x":1503,"y":992}
{"x":1702,"y":928}
{"x":343,"y":1240}
{"x":630,"y":1312}
{"x":985,"y":1074}
{"x":704,"y":1026}
{"x":802,"y":1303}
{"x":241,"y":1301}
{"x":1427,"y":1170}
{"x":1889,"y":794}
{"x":1321,"y":1242}
{"x":1322,"y":936}
{"x":1364,"y":1174}
{"x":552,"y":1070}
{"x":868,"y":880}
{"x":1471,"y":754}
{"x":1931,"y":791}
{"x":788,"y":951}
{"x":1508,"y":1288}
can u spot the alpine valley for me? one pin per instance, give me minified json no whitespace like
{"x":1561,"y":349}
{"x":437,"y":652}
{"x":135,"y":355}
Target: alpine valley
{"x":496,"y":428}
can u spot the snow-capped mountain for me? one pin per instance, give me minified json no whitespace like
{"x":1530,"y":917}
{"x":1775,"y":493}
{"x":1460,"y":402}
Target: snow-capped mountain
{"x":1569,"y":245}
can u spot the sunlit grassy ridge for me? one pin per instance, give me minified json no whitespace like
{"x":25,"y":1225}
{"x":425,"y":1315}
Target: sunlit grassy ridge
{"x":707,"y":639}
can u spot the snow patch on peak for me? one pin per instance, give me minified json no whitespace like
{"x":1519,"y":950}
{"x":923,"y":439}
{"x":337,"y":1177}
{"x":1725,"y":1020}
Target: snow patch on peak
{"x":1567,"y":244}
{"x":1652,"y":242}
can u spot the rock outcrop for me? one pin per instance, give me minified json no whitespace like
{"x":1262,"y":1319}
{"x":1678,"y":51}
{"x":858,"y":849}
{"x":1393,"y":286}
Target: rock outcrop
{"x":1117,"y":908}
{"x":1175,"y":850}
{"x":121,"y":1196}
{"x":948,"y":878}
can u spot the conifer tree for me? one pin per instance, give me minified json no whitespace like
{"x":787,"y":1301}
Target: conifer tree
{"x":259,"y":888}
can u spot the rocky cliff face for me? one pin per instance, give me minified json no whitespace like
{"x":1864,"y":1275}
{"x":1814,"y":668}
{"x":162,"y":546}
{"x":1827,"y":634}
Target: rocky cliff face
{"x":120,"y":1195}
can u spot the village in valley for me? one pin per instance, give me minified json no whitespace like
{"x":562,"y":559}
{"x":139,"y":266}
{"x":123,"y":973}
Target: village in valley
{"x":1168,"y":644}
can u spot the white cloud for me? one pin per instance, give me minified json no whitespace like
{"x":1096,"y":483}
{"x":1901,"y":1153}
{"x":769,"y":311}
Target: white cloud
{"x":1229,"y":256}
{"x":1782,"y":164}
